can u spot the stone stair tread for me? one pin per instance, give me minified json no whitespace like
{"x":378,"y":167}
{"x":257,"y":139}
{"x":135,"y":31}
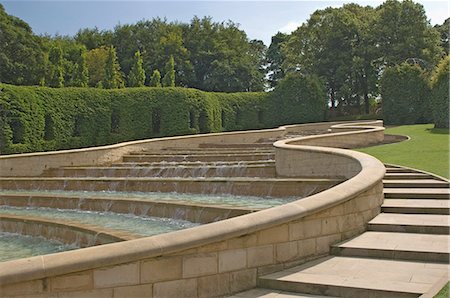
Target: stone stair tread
{"x":399,"y":242}
{"x":412,"y":219}
{"x":268,"y":293}
{"x":406,"y":175}
{"x":416,"y":203}
{"x":417,"y":193}
{"x":414,"y":183}
{"x":362,"y":273}
{"x":399,"y":170}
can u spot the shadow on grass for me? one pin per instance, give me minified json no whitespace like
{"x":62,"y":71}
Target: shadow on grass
{"x":439,"y":131}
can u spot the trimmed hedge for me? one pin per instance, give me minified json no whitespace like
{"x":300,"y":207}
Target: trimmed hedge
{"x":440,"y":93}
{"x":405,"y":95}
{"x":40,"y":118}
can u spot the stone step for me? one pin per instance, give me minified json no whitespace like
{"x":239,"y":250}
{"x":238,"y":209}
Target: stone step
{"x":202,"y":152}
{"x":219,"y":149}
{"x":417,"y":193}
{"x":415,"y":183}
{"x":399,"y":170}
{"x":242,"y":186}
{"x":406,"y":176}
{"x":396,"y":246}
{"x":416,"y":206}
{"x":194,"y":163}
{"x":411,"y":223}
{"x":236,"y":170}
{"x":208,"y":158}
{"x":236,"y":145}
{"x":269,"y":293}
{"x":357,"y":277}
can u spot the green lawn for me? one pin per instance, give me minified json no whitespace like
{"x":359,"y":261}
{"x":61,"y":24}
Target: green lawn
{"x":444,"y":293}
{"x":427,"y":150}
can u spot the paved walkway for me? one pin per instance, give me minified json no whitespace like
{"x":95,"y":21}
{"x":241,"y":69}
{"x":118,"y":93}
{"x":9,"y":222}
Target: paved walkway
{"x":404,"y":253}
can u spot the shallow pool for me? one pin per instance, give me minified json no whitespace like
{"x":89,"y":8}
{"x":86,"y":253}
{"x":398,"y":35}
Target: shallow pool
{"x":224,"y":200}
{"x":136,"y":225}
{"x":16,"y":246}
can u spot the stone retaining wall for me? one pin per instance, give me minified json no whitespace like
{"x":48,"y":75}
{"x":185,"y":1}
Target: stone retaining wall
{"x":223,"y":257}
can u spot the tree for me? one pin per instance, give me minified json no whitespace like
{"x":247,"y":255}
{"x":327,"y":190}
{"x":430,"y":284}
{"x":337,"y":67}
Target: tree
{"x":93,"y":38}
{"x":22,"y":55}
{"x":155,"y":80}
{"x":324,"y":46}
{"x":402,"y":32}
{"x":169,"y":77}
{"x":113,"y":77}
{"x":80,"y":75}
{"x":136,"y":77}
{"x":405,"y":95}
{"x":55,"y":71}
{"x":275,"y":59}
{"x":96,"y":61}
{"x":444,"y":30}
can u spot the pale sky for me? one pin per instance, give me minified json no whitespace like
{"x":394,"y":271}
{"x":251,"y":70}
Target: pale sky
{"x":259,"y":19}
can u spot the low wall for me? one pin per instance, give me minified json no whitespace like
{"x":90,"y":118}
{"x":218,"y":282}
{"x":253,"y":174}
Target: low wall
{"x":220,"y":258}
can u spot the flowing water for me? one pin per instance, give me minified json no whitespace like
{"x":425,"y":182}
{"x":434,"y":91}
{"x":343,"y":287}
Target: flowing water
{"x":137,"y":225}
{"x":16,"y":246}
{"x":223,"y":200}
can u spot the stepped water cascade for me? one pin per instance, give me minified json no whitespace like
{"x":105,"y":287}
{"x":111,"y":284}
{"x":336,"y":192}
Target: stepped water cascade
{"x":202,"y":215}
{"x":149,"y":192}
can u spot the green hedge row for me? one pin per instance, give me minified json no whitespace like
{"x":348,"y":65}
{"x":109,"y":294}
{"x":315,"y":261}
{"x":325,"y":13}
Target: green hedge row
{"x":40,"y":119}
{"x":440,"y":82}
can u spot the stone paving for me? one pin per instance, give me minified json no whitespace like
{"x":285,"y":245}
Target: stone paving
{"x":404,"y":253}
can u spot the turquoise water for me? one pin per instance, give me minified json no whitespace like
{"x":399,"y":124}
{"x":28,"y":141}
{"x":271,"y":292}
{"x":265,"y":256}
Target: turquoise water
{"x":16,"y":246}
{"x":225,"y":200}
{"x":137,"y":225}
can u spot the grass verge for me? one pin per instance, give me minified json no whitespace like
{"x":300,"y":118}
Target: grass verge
{"x":444,"y":292}
{"x":428,"y":149}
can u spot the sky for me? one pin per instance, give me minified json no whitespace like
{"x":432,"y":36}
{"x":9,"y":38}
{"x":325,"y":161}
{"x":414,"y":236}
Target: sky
{"x":259,"y":19}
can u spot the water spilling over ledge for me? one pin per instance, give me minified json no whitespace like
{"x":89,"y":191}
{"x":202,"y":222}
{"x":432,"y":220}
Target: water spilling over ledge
{"x":334,"y":190}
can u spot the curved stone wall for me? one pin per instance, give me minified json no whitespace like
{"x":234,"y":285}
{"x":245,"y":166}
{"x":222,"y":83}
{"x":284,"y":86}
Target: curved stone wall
{"x":223,"y":257}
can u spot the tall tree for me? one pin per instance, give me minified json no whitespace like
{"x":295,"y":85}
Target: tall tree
{"x":93,"y":38}
{"x":324,"y":46}
{"x":80,"y":75}
{"x":55,"y":71}
{"x":402,"y":32}
{"x":22,"y":54}
{"x":113,"y":77}
{"x":169,"y":76}
{"x":136,"y":77}
{"x":444,"y":30}
{"x":96,"y":61}
{"x":275,"y":59}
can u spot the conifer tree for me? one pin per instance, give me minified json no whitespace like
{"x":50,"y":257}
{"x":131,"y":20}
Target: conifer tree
{"x":55,"y":71}
{"x":136,"y":77}
{"x":80,"y":76}
{"x":155,"y":80}
{"x":113,"y":76}
{"x":169,"y":77}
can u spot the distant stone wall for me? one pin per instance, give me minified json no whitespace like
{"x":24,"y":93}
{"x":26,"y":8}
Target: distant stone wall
{"x":224,"y":257}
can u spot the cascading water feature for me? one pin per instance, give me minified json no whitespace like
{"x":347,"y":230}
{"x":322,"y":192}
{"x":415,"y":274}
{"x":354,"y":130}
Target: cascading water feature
{"x":152,"y":192}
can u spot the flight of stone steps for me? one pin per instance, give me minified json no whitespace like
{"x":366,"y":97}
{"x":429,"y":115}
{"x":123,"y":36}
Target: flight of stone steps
{"x":404,"y":252}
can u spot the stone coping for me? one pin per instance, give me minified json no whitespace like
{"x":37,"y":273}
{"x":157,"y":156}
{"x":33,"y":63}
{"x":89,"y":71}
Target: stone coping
{"x":370,"y":174}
